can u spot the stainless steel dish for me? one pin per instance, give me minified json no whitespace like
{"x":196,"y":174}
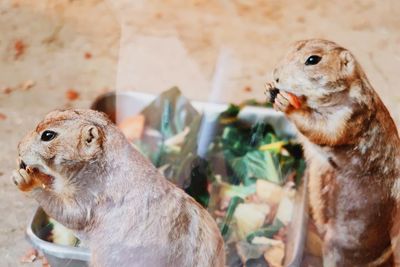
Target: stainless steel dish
{"x":121,"y":105}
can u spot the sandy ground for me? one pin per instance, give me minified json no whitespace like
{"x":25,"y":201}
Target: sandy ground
{"x":212,"y":50}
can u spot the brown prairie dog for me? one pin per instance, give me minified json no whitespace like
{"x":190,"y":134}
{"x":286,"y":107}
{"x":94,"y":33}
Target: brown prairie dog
{"x":352,"y":149}
{"x":112,"y":197}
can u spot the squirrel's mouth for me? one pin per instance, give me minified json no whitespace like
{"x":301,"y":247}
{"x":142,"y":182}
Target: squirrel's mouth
{"x":37,"y":170}
{"x":273,"y":94}
{"x":22,"y":164}
{"x":26,"y":165}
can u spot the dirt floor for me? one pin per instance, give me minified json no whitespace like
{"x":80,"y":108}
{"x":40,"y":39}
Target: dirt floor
{"x":213,"y":50}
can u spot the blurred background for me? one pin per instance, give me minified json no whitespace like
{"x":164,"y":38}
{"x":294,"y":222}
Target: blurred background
{"x":61,"y":54}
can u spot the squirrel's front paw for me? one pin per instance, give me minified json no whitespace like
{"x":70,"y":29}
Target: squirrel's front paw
{"x":25,"y":180}
{"x":282,"y":102}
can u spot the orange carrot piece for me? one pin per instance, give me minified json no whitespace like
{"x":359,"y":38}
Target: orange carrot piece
{"x":294,"y":100}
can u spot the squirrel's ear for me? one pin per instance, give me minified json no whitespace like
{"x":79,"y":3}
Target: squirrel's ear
{"x":91,"y":139}
{"x":347,"y":62}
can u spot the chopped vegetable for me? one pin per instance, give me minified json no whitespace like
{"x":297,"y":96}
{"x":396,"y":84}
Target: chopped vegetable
{"x":30,"y":256}
{"x":294,"y":100}
{"x":275,"y":254}
{"x":230,"y":114}
{"x":62,"y":235}
{"x":250,"y":217}
{"x":229,"y":191}
{"x":71,"y":94}
{"x":235,"y":201}
{"x":257,"y":165}
{"x":58,"y":234}
{"x":274,"y":147}
{"x":249,"y":252}
{"x":267,"y":231}
{"x":268,"y":191}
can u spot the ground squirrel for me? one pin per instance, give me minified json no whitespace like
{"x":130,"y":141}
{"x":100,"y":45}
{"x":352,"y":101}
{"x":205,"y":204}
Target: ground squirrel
{"x":352,"y":149}
{"x":85,"y":174}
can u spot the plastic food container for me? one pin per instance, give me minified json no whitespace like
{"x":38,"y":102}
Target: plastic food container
{"x":130,"y":103}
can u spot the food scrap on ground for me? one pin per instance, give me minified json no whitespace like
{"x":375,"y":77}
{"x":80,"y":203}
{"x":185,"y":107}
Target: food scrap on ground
{"x":248,"y":89}
{"x":24,"y":86}
{"x":19,"y":48}
{"x":30,"y":256}
{"x":71,"y":94}
{"x":2,"y":117}
{"x":88,"y":55}
{"x":7,"y":90}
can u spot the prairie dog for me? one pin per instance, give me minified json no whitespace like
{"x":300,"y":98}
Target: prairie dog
{"x":352,"y":149}
{"x":86,"y":175}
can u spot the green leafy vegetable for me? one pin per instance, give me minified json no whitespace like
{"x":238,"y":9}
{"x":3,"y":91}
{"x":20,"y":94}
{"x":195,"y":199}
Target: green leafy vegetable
{"x":232,"y":111}
{"x":257,"y":165}
{"x":235,"y":201}
{"x":268,"y":231}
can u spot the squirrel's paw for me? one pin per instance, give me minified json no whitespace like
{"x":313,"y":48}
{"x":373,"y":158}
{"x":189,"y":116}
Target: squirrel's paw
{"x":24,"y":180}
{"x":282,"y":102}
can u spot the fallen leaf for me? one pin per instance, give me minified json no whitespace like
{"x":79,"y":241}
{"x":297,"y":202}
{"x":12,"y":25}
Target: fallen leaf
{"x":2,"y":117}
{"x":7,"y":90}
{"x":19,"y":48}
{"x":88,"y":55}
{"x":71,"y":94}
{"x":248,"y":89}
{"x":30,"y":256}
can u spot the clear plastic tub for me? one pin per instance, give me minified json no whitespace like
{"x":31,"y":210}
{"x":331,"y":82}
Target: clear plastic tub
{"x":130,"y":103}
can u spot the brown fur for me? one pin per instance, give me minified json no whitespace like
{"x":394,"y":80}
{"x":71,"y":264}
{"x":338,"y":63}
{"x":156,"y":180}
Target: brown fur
{"x":352,"y":148}
{"x":94,"y":182}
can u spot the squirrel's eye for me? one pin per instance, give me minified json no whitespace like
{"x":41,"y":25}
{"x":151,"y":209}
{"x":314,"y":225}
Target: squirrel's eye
{"x":48,"y":135}
{"x":313,"y":60}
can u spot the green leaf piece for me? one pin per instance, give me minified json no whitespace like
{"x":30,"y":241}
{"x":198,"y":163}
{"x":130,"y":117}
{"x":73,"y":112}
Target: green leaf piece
{"x":235,"y":201}
{"x":268,"y":231}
